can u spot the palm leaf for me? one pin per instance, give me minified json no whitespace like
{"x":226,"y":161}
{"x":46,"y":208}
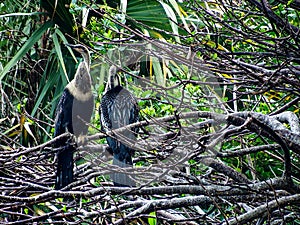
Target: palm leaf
{"x":150,"y":13}
{"x":25,"y":48}
{"x":60,"y":14}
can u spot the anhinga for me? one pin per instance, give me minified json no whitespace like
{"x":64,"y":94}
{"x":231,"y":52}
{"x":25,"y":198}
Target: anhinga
{"x":74,"y":109}
{"x":119,"y":108}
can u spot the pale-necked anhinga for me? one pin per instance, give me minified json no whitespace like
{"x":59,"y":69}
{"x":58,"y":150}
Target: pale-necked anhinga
{"x":119,"y":108}
{"x":74,"y":109}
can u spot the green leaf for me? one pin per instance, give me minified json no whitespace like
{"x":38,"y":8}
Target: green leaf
{"x":59,"y":54}
{"x":60,"y":14}
{"x":25,"y":48}
{"x":178,"y":10}
{"x":173,"y":21}
{"x":21,"y":14}
{"x":49,"y":84}
{"x":151,"y":220}
{"x":26,"y":211}
{"x":149,"y":12}
{"x":159,"y":75}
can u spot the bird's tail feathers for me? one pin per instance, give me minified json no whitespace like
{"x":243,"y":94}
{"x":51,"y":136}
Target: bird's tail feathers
{"x":124,"y":160}
{"x":64,"y":175}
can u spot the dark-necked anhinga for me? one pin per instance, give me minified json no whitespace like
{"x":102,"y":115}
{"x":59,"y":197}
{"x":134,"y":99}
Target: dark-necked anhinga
{"x":119,"y":108}
{"x":74,"y":109}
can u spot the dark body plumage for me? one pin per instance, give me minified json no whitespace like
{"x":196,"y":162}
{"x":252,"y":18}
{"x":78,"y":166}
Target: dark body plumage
{"x":75,"y":106}
{"x":119,"y":108}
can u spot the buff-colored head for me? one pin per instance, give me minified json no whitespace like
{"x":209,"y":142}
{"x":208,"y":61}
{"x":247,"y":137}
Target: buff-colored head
{"x":82,"y":80}
{"x":83,"y":50}
{"x":113,"y":78}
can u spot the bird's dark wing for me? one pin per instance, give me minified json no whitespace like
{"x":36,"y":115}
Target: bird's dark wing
{"x":63,"y":119}
{"x":63,"y":123}
{"x":105,"y":110}
{"x":134,"y":113}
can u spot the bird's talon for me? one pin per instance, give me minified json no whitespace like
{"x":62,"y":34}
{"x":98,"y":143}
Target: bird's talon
{"x":81,"y":140}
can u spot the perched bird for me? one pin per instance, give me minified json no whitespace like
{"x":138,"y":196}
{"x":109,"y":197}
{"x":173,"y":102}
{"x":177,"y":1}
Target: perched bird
{"x":74,"y":109}
{"x":119,"y":108}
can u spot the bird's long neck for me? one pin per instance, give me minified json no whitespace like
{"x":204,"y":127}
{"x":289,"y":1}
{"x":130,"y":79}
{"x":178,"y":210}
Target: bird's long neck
{"x":82,"y":78}
{"x":113,"y":79}
{"x":81,"y":86}
{"x":87,"y":60}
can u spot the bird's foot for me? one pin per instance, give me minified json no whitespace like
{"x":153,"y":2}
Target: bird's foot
{"x":81,"y":140}
{"x":71,"y":139}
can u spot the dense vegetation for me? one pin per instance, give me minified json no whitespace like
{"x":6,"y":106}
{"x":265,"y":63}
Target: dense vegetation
{"x":218,"y":88}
